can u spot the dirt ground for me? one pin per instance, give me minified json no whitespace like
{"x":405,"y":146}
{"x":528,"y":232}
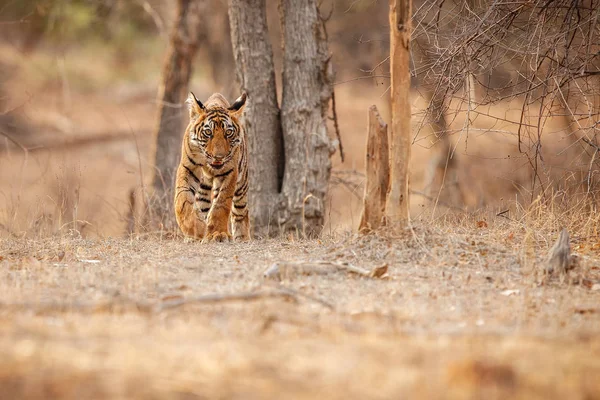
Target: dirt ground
{"x":87,"y":312}
{"x":460,"y":314}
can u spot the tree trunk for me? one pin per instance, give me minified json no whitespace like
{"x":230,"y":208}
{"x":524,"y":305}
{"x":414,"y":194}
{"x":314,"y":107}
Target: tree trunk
{"x":216,"y":47}
{"x":441,"y":175}
{"x":256,"y":74}
{"x":400,"y":30}
{"x":378,"y":173}
{"x":172,"y":92}
{"x":307,"y":77}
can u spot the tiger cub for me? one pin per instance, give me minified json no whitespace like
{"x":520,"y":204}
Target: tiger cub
{"x":213,"y":172}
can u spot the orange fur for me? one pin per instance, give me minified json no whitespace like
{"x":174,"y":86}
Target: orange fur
{"x":212,"y":179}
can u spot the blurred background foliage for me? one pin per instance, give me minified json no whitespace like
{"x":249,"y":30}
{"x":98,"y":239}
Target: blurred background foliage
{"x":77,"y":21}
{"x":79,"y":78}
{"x":78,"y":85}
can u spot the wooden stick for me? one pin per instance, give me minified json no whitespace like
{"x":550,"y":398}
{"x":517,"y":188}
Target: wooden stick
{"x":278,"y":291}
{"x":226,"y":298}
{"x":130,"y":218}
{"x":378,"y":173}
{"x":110,"y":306}
{"x":125,"y":305}
{"x":336,"y":126}
{"x":287,"y":270}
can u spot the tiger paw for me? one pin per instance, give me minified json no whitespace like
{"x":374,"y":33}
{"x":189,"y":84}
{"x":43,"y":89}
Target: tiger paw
{"x":216,"y":237}
{"x":241,"y":238}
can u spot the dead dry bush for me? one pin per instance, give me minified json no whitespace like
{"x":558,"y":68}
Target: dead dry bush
{"x":457,"y":315}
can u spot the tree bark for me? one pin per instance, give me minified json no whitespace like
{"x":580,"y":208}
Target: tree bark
{"x":307,"y":78}
{"x":217,"y":48}
{"x":443,"y":166}
{"x":255,"y":73}
{"x":172,"y":92}
{"x":378,"y":173}
{"x":400,"y":30}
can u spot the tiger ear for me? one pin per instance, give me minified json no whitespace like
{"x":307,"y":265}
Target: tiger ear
{"x":195,"y":106}
{"x":237,"y":108}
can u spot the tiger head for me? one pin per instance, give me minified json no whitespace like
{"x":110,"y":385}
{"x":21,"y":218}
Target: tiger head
{"x":215,"y":130}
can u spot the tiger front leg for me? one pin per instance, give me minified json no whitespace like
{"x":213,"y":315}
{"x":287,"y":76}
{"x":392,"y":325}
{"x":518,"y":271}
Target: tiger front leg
{"x":239,"y":213}
{"x":192,"y":201}
{"x":190,"y":223}
{"x":218,"y":216}
{"x":203,"y":202}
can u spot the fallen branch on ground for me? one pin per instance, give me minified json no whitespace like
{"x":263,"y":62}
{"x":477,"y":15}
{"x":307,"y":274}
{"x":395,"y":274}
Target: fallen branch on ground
{"x":117,"y":306}
{"x":226,"y":298}
{"x":286,"y":270}
{"x":122,"y":305}
{"x":280,"y":291}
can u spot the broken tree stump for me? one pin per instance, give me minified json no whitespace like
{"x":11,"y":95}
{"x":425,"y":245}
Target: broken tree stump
{"x":378,"y":173}
{"x":560,"y":259}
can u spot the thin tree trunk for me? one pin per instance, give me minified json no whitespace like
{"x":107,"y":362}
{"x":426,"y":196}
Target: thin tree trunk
{"x":441,"y":175}
{"x":307,"y":77}
{"x":256,"y":74}
{"x":218,"y":49}
{"x":378,"y":173}
{"x":400,"y":30}
{"x":172,"y":92}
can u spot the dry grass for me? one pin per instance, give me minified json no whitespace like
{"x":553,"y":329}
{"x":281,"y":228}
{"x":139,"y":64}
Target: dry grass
{"x":464,"y":311}
{"x":91,"y":318}
{"x":37,"y":190}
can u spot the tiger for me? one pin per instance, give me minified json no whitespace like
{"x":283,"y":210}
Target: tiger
{"x":211,"y":185}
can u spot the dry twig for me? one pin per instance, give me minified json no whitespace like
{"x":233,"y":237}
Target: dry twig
{"x":285,"y":270}
{"x":227,"y":298}
{"x":278,"y":292}
{"x":14,"y":141}
{"x":336,"y":124}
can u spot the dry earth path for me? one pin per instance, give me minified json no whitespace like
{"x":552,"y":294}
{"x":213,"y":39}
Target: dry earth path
{"x":459,"y":314}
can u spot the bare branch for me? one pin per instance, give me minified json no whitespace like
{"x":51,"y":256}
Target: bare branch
{"x":14,"y":141}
